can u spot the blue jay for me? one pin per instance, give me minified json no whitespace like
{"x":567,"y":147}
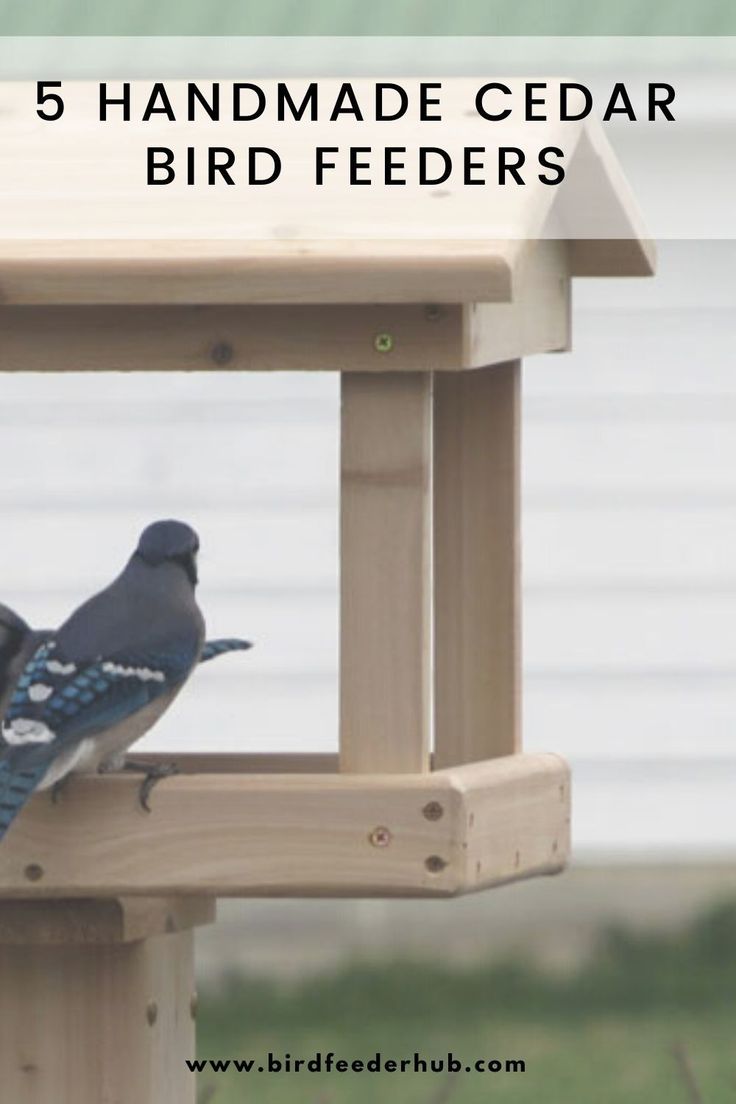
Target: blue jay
{"x":78,"y":697}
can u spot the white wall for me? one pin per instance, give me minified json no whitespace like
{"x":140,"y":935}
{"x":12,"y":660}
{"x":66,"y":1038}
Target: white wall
{"x":630,"y":541}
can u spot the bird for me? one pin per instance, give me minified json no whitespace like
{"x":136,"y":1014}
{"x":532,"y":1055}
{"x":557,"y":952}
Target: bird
{"x":80,"y":695}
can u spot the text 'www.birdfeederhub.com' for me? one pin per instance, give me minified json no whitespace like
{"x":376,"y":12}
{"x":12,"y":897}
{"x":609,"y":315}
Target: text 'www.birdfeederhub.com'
{"x":378,"y":1062}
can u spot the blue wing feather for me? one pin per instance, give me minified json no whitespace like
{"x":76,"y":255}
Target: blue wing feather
{"x":74,"y":700}
{"x":16,"y":786}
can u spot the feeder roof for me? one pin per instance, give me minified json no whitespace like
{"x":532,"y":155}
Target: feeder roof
{"x":90,"y":231}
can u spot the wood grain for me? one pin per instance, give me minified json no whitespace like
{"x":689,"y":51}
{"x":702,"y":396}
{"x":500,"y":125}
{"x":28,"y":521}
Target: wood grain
{"x":258,"y":762}
{"x":105,"y":920}
{"x":537,"y":317}
{"x":190,"y":273}
{"x":279,"y":835}
{"x":256,"y":339}
{"x":499,"y":796}
{"x":443,"y":338}
{"x":477,"y":630}
{"x":98,"y":1023}
{"x":385,"y":572}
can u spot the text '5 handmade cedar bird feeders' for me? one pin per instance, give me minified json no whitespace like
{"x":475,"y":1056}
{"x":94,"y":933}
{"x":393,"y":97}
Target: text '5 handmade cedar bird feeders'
{"x":427,"y":327}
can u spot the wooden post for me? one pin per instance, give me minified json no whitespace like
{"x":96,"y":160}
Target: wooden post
{"x":385,"y":566}
{"x":476,"y":564}
{"x":95,"y":1007}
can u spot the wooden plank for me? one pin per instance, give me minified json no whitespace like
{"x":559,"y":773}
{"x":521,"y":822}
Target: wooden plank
{"x":271,"y":338}
{"x":257,"y":762}
{"x":145,"y":273}
{"x":385,"y":570}
{"x":268,"y":835}
{"x":537,"y":317}
{"x":98,"y":1023}
{"x":186,"y":273}
{"x":518,"y":821}
{"x":477,"y":632}
{"x":111,"y":920}
{"x":91,"y":339}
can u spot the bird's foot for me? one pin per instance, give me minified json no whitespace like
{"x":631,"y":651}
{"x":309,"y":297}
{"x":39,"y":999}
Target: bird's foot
{"x":58,"y":788}
{"x":154,"y":772}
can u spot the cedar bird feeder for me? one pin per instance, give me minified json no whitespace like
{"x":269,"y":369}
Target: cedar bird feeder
{"x":431,"y":793}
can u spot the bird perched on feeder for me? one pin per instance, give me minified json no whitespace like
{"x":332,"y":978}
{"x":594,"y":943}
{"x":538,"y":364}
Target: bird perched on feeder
{"x":81,"y":695}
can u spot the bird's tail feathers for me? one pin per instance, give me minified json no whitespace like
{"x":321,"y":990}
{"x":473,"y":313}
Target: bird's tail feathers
{"x":213,"y":648}
{"x":16,"y":786}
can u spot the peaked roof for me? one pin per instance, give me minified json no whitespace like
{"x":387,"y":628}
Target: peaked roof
{"x":90,"y":231}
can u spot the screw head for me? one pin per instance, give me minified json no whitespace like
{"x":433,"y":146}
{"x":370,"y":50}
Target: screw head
{"x":383,"y":343}
{"x":380,"y":836}
{"x":33,"y":872}
{"x":435,"y":864}
{"x":433,"y":810}
{"x":221,"y":353}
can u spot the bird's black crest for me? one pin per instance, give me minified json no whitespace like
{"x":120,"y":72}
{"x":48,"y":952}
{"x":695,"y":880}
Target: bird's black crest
{"x":167,"y":540}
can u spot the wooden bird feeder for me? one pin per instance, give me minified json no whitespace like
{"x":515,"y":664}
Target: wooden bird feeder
{"x":427,"y":332}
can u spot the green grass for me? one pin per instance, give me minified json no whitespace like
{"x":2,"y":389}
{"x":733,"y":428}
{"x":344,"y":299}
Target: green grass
{"x":602,"y":1036}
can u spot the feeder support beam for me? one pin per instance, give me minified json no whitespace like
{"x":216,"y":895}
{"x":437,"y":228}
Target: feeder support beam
{"x":385,"y":507}
{"x":97,"y":1001}
{"x":477,"y":628}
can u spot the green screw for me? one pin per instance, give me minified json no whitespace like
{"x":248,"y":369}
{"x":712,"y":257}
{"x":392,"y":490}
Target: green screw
{"x":383,"y":343}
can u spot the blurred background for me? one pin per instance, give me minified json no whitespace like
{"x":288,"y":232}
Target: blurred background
{"x":615,"y":980}
{"x":382,"y":17}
